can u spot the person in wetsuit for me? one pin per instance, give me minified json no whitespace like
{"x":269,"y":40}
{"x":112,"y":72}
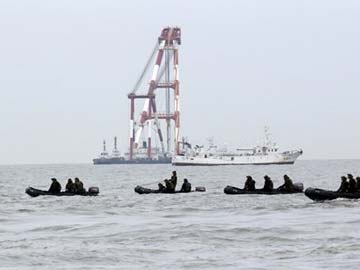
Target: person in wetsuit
{"x":173,"y":179}
{"x":55,"y":186}
{"x":161,"y":187}
{"x":186,"y":186}
{"x":249,"y":184}
{"x":268,"y":184}
{"x":70,"y":186}
{"x":352,"y":184}
{"x":288,"y":185}
{"x":358,"y":184}
{"x":344,"y":186}
{"x":79,"y":186}
{"x":169,"y":186}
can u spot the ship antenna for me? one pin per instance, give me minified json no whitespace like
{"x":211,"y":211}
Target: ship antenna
{"x":115,"y":143}
{"x":267,"y":135}
{"x":104,"y":144}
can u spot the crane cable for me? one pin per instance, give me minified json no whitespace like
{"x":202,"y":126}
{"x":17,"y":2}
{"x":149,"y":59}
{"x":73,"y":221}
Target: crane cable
{"x":139,"y":81}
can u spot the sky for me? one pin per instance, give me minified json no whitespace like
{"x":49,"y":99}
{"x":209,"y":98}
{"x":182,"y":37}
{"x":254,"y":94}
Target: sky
{"x":66,"y":68}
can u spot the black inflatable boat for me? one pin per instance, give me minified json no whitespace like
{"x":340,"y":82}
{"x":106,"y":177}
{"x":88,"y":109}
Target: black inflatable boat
{"x":318,"y":194}
{"x":239,"y":191}
{"x":33,"y":192}
{"x":142,"y":190}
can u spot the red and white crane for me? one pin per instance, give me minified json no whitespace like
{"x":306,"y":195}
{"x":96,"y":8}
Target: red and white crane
{"x":165,"y":75}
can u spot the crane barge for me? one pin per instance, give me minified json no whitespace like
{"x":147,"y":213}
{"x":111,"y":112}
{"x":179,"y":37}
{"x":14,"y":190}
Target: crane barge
{"x":147,"y":130}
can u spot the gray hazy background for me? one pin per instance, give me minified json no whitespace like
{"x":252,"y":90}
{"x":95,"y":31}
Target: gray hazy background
{"x":66,"y":68}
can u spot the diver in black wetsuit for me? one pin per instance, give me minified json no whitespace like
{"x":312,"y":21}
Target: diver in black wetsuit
{"x":55,"y":186}
{"x":288,"y":185}
{"x":358,"y":184}
{"x":169,"y":186}
{"x":79,"y":186}
{"x":161,"y":187}
{"x":268,"y":184}
{"x":70,"y":186}
{"x":344,"y":185}
{"x":186,"y":186}
{"x":352,"y":184}
{"x":249,"y":184}
{"x":173,"y":179}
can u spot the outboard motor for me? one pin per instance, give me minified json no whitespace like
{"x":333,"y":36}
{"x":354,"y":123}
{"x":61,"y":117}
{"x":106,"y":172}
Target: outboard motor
{"x":200,"y":189}
{"x":298,"y":186}
{"x":93,"y":191}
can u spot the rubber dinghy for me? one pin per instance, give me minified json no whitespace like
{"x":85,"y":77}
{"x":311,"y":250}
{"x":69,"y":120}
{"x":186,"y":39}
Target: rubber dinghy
{"x":142,"y":190}
{"x":318,"y":194}
{"x":33,"y":192}
{"x":299,"y":187}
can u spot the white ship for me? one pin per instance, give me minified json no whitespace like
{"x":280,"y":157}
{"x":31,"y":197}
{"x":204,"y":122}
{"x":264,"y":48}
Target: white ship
{"x":264,"y":154}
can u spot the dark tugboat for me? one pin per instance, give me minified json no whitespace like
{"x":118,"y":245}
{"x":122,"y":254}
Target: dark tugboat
{"x":140,"y":157}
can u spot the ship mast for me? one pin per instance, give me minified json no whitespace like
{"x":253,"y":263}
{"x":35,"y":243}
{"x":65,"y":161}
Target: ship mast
{"x":115,"y":143}
{"x":104,"y":153}
{"x":267,"y":136}
{"x":115,"y":152}
{"x":104,"y":146}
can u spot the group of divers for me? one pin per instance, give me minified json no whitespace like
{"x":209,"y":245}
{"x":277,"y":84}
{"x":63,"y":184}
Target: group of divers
{"x":170,"y":184}
{"x":349,"y":184}
{"x":349,"y":188}
{"x":76,"y":186}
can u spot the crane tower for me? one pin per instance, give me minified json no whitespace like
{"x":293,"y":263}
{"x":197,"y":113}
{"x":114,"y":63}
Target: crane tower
{"x":165,"y":76}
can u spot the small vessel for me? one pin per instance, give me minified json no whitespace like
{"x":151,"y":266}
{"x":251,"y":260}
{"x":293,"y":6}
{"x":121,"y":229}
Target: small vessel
{"x":141,"y":156}
{"x":298,"y":188}
{"x":33,"y":192}
{"x":318,"y":194}
{"x":263,"y":154}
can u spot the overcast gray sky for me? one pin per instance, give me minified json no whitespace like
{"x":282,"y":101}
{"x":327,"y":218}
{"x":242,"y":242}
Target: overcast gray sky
{"x":67,"y":66}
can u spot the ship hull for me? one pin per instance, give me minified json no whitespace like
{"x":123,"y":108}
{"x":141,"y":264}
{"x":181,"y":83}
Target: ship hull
{"x":227,"y":164}
{"x":275,"y":159}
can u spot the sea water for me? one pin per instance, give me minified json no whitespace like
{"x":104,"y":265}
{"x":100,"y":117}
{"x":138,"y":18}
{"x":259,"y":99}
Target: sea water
{"x":120,"y":229}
